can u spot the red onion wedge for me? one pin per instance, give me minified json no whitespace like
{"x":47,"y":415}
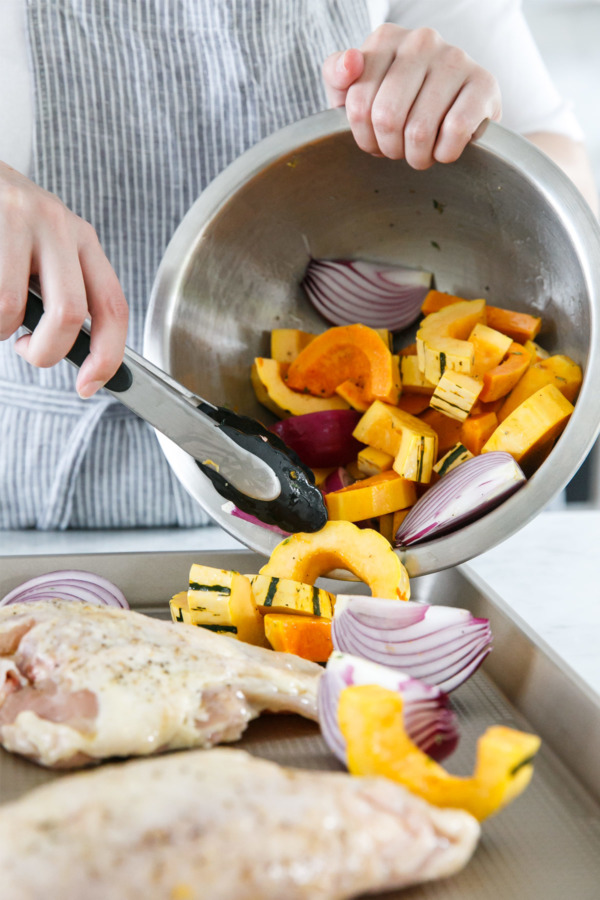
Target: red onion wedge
{"x":321,"y":439}
{"x":467,"y":492}
{"x":336,"y":480}
{"x":248,"y":517}
{"x":440,"y":645}
{"x":68,"y":584}
{"x":428,"y":721}
{"x":381,"y":295}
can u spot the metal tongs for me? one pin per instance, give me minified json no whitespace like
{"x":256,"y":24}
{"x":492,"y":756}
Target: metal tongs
{"x":246,"y":463}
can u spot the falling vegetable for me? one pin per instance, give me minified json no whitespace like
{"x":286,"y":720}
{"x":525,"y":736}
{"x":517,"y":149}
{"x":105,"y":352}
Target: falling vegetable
{"x":374,"y":722}
{"x":364,"y":552}
{"x":429,"y":721}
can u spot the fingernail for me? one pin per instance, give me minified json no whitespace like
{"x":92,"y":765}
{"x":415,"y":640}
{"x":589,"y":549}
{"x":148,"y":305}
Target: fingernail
{"x":341,"y":63}
{"x":90,"y":388}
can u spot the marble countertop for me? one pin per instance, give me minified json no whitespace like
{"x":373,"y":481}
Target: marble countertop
{"x":549,"y":572}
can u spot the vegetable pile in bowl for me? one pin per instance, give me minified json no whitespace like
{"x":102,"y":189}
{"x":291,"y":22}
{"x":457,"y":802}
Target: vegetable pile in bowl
{"x":415,"y":443}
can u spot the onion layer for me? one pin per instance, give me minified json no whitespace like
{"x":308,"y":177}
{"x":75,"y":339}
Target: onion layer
{"x":68,"y":584}
{"x":248,"y":517}
{"x":380,"y":295}
{"x":427,"y":719}
{"x":473,"y":488}
{"x":336,"y":480}
{"x":440,"y":645}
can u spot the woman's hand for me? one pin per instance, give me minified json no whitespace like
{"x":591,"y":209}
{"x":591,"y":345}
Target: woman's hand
{"x":409,"y":95}
{"x":40,"y":236}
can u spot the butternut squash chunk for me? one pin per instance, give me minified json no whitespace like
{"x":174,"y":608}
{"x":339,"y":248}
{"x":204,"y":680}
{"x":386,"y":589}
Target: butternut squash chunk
{"x":385,"y":526}
{"x":305,"y":636}
{"x":530,"y":431}
{"x":519,"y":326}
{"x":436,"y":300}
{"x":500,"y":380}
{"x":360,"y":398}
{"x":559,"y":370}
{"x":492,"y":406}
{"x":398,"y":518}
{"x":371,"y":497}
{"x":354,"y":396}
{"x":536,"y":351}
{"x":491,"y":347}
{"x":345,"y":353}
{"x":477,"y":430}
{"x":413,"y":404}
{"x":447,"y":429}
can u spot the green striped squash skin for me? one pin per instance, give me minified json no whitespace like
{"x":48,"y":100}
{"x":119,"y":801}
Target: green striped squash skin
{"x":286,"y":595}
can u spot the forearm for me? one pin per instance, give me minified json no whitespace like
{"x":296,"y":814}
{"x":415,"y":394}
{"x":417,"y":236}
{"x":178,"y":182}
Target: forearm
{"x":571,"y":156}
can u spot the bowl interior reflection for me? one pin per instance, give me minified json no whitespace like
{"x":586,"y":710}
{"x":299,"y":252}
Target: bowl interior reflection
{"x":502,"y":223}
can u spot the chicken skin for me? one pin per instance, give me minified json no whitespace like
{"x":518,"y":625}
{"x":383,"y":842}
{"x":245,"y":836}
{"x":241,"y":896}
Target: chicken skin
{"x":223,"y":825}
{"x":80,"y":683}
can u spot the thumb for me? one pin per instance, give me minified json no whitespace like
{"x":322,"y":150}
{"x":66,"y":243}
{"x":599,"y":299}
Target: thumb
{"x":340,"y":70}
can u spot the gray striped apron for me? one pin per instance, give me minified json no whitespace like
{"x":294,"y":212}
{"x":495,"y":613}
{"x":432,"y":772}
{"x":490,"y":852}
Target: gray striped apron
{"x":139,"y":104}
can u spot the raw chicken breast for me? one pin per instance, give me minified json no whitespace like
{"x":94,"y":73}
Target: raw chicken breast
{"x":223,"y":825}
{"x":81,"y":682}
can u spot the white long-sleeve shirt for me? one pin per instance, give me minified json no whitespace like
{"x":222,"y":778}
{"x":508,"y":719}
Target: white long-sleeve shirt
{"x":493,"y":32}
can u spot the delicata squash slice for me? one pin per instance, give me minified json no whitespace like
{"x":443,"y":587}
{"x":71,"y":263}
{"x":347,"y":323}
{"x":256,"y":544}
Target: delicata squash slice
{"x":341,"y":545}
{"x":371,"y":721}
{"x":272,"y":391}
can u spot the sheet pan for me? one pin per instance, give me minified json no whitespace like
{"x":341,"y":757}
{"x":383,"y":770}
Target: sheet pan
{"x":545,"y":846}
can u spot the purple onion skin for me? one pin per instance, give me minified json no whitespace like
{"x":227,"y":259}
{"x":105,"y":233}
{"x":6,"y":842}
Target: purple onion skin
{"x":337,"y":480}
{"x":68,"y":580}
{"x":321,"y":439}
{"x":248,"y":517}
{"x":429,"y":719}
{"x":346,"y":291}
{"x":432,"y":529}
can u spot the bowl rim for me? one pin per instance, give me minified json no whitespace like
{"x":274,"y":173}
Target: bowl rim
{"x":496,"y":526}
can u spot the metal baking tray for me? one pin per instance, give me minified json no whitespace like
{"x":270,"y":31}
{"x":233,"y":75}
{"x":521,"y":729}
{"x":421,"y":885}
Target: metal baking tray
{"x":544,"y":846}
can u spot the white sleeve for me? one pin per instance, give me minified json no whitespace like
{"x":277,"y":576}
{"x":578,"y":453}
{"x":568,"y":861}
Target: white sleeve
{"x":495,"y":34}
{"x":16,"y":101}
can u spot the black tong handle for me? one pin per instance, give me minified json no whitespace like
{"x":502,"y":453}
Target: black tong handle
{"x":34,"y":310}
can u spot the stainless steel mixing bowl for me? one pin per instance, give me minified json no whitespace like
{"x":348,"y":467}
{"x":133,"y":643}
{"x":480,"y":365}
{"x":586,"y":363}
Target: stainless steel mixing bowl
{"x":501,"y":223}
